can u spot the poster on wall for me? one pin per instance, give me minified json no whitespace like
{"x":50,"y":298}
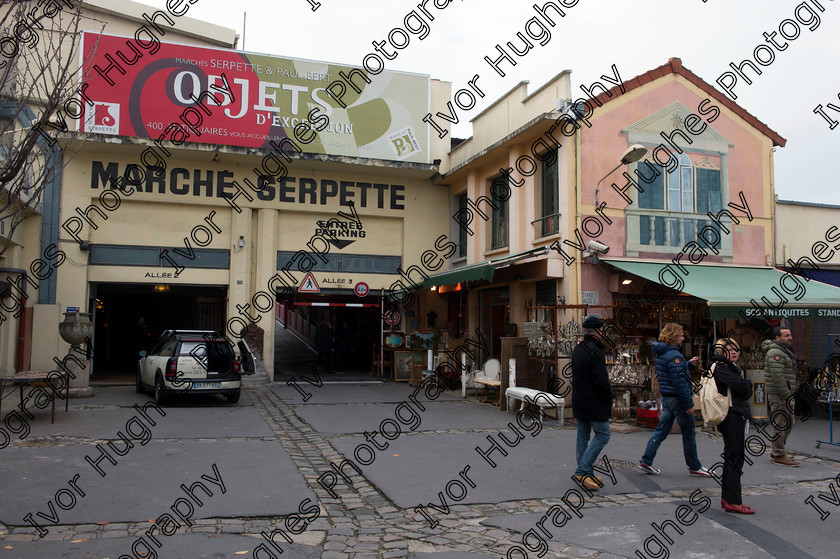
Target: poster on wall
{"x":256,"y":100}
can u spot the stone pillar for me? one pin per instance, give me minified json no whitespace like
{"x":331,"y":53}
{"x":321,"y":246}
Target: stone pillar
{"x":79,"y":370}
{"x":76,"y":330}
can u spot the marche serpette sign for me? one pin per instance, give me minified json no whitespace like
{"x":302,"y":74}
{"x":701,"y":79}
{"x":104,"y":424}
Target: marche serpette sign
{"x":268,"y":97}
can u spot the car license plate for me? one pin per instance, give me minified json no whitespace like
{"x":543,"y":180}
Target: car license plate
{"x":201,"y":385}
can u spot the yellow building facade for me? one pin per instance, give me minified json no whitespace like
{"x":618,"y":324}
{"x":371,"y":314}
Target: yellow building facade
{"x":209,"y":235}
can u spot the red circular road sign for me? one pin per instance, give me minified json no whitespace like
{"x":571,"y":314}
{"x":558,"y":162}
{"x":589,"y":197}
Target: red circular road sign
{"x":392,"y":317}
{"x":361,"y":289}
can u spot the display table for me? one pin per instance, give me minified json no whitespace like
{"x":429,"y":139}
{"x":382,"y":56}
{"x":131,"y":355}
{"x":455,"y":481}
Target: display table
{"x":490,"y":383}
{"x":33,"y":379}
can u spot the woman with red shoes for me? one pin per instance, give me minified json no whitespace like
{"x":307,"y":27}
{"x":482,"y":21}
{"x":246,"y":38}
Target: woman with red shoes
{"x":728,"y":377}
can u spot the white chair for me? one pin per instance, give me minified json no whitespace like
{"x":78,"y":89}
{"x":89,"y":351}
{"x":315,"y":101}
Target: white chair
{"x":491,"y":370}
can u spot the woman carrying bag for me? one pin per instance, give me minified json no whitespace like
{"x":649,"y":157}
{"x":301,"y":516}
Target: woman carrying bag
{"x":728,"y":376}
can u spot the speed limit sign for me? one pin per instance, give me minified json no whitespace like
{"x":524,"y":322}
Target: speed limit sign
{"x":392,"y":317}
{"x":361,"y":289}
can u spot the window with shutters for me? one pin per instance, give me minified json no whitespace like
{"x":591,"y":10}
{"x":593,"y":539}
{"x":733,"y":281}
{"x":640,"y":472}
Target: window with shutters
{"x":499,"y":220}
{"x":690,"y":188}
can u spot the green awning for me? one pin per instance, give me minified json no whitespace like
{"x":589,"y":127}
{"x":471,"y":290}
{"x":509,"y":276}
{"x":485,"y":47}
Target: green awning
{"x":483,"y":271}
{"x":730,"y":290}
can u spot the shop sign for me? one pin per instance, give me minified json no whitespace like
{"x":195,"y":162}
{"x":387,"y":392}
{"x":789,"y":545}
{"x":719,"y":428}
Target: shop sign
{"x":260,"y":99}
{"x":589,"y":297}
{"x":718,"y":313}
{"x":162,"y":275}
{"x":338,"y":232}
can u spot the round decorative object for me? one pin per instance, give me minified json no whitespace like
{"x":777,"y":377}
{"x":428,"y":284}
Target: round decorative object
{"x":75,"y":328}
{"x":620,"y":410}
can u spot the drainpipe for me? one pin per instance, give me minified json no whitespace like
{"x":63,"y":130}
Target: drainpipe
{"x":22,"y":321}
{"x":773,"y":199}
{"x":576,"y":297}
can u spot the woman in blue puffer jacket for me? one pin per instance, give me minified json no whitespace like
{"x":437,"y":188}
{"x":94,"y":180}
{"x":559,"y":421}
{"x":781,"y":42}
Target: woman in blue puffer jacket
{"x":672,"y":372}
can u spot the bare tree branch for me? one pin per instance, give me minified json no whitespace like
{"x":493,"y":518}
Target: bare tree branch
{"x":39,"y":72}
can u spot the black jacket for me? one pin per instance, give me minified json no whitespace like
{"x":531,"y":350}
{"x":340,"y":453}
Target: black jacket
{"x":591,"y":393}
{"x":727,"y":376}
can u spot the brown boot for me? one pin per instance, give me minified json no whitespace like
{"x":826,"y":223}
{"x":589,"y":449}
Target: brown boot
{"x":587,"y":482}
{"x":784,"y":461}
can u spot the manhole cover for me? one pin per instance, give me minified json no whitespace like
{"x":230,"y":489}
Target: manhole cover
{"x":621,"y":464}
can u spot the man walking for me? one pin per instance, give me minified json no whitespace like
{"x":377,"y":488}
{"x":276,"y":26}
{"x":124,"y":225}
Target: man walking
{"x":780,"y":374}
{"x":591,"y":401}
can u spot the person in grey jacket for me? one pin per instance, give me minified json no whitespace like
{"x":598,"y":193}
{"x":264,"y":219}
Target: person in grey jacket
{"x":780,"y":375}
{"x":729,"y":378}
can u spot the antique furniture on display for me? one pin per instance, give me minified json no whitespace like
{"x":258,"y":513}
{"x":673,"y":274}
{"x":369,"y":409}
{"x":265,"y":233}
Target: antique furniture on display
{"x":531,"y":396}
{"x":553,"y":331}
{"x":38,"y":379}
{"x":487,"y":377}
{"x":630,"y":375}
{"x":404,"y":365}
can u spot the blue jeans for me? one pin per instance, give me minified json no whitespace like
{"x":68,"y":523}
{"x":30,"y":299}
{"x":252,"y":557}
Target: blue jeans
{"x":587,"y":453}
{"x":672,"y":409}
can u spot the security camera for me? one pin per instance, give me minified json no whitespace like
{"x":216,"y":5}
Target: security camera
{"x":595,"y":246}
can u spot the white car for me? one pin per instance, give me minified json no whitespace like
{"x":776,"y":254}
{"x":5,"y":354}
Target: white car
{"x":191,"y":361}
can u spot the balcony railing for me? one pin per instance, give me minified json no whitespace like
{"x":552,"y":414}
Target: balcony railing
{"x":668,"y":232}
{"x":546,"y":225}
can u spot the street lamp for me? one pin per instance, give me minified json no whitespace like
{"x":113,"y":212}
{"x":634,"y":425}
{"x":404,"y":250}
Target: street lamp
{"x":631,"y":155}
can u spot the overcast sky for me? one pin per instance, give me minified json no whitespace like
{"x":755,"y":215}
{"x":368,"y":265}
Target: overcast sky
{"x":635,"y":36}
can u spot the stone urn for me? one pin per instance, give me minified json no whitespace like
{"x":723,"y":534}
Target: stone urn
{"x":620,"y":411}
{"x":74,"y":330}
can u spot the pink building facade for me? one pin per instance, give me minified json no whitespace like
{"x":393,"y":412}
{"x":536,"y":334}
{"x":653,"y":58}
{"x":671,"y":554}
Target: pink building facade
{"x":703,"y":194}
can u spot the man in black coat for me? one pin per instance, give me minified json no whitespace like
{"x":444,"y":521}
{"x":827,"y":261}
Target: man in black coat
{"x":591,"y":400}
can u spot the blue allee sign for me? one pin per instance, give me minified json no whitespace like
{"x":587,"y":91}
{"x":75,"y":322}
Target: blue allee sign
{"x":72,"y":309}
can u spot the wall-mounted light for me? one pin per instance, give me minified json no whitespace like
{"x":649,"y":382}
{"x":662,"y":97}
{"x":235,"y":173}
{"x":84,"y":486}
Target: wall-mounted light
{"x":627,"y":282}
{"x":631,"y":155}
{"x":434,"y":288}
{"x":241,"y":241}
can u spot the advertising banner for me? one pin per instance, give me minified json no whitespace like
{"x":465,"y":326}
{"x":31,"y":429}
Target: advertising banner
{"x":251,"y":100}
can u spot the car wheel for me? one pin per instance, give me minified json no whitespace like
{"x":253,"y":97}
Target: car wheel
{"x":233,"y":396}
{"x":139,"y":384}
{"x":161,"y":393}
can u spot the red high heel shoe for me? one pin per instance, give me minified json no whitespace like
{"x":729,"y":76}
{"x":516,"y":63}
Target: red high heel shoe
{"x":740,"y":509}
{"x":723,"y":505}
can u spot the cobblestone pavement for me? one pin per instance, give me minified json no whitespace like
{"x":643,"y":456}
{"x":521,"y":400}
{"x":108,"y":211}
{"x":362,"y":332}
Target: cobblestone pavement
{"x":365,"y":523}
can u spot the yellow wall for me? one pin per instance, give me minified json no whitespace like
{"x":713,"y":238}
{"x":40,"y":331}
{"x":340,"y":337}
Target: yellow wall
{"x":806,"y":230}
{"x":164,"y":219}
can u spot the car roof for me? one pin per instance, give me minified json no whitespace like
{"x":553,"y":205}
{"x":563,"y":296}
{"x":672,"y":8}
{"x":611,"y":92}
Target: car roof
{"x":204,"y":334}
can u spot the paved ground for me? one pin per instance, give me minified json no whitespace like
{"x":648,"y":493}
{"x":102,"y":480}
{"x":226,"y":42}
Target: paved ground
{"x":270,"y":449}
{"x":421,"y":488}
